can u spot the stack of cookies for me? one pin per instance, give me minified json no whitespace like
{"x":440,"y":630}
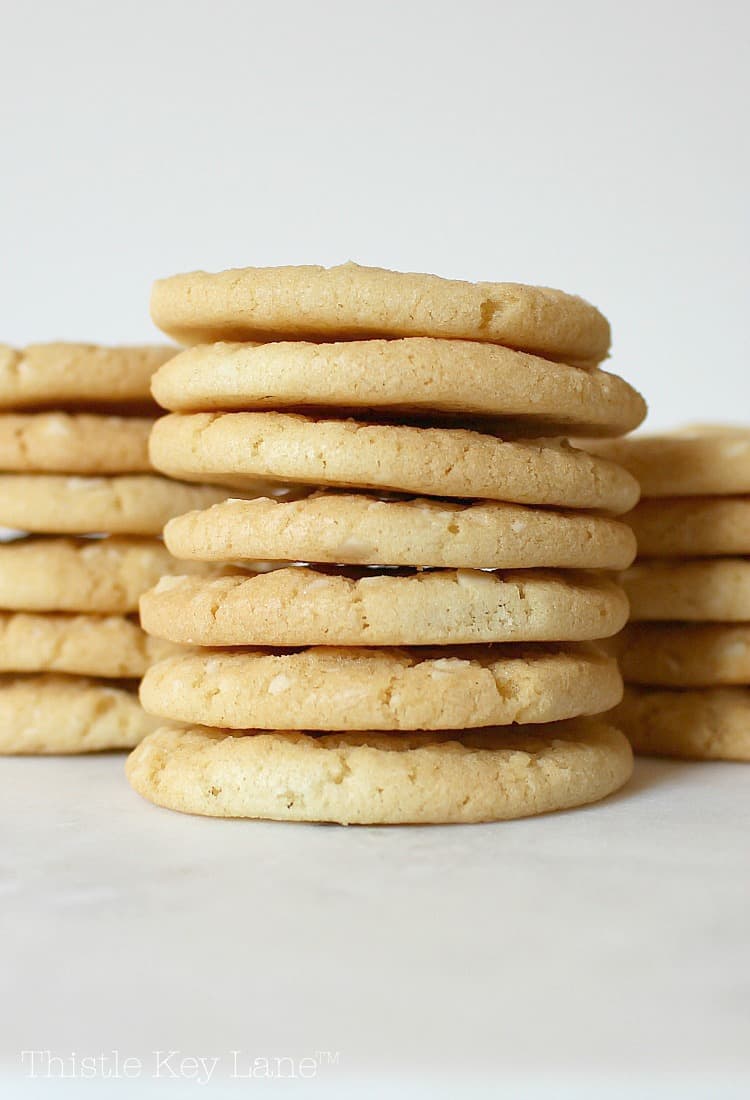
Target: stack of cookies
{"x":74,"y":460}
{"x":438,"y":567}
{"x":686,"y":654}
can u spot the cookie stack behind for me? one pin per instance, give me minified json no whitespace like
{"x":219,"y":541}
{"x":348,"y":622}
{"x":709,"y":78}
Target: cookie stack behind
{"x":452,"y":590}
{"x":74,"y":462}
{"x":686,"y":653}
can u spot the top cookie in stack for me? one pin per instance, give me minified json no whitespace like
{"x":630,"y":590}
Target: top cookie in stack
{"x":74,"y":461}
{"x":686,"y":654}
{"x":422,"y":418}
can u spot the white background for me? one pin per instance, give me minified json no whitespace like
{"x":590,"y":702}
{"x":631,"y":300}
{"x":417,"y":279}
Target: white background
{"x":595,"y":146}
{"x":599,"y":147}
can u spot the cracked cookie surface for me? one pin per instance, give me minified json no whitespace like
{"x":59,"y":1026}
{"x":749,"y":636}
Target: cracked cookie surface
{"x":74,"y":375}
{"x":242,"y":448}
{"x":300,"y":607}
{"x":354,"y":529}
{"x":371,"y":689}
{"x":370,"y":778}
{"x":350,"y":301}
{"x":413,"y":377}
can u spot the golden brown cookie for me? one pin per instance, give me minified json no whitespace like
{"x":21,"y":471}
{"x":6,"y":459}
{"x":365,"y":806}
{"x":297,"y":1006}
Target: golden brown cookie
{"x":52,"y":714}
{"x":109,"y":646}
{"x":132,"y":504}
{"x":300,"y":607}
{"x":701,"y":461}
{"x":74,"y":443}
{"x":77,"y":375}
{"x":692,"y":526}
{"x":705,"y":724}
{"x":702,"y":590}
{"x":242,"y":448}
{"x":353,"y":529}
{"x":412,"y":377}
{"x":382,"y":689}
{"x":105,"y":576}
{"x":353,"y":302}
{"x":685,"y":654}
{"x":380,"y":778}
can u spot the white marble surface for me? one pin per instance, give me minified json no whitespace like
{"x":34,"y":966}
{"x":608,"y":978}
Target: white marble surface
{"x":605,"y":949}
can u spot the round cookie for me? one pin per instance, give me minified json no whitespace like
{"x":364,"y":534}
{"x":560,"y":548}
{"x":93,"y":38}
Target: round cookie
{"x":77,"y":375}
{"x":300,"y":607}
{"x":74,"y":443}
{"x":53,"y":714}
{"x":353,"y":302}
{"x":705,"y":724}
{"x":354,"y":529}
{"x":237,"y":448}
{"x":685,"y":655}
{"x":379,"y":778}
{"x":134,"y":504}
{"x":692,"y":527}
{"x":86,"y":645}
{"x":394,"y":689}
{"x":700,"y":461}
{"x":103,"y":575}
{"x":695,"y":591}
{"x":415,"y":376}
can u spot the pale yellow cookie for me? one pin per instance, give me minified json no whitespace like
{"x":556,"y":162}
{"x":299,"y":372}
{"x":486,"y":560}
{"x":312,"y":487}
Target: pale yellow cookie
{"x":133,"y":504}
{"x":710,"y":590}
{"x":378,"y":689}
{"x":692,"y":527}
{"x":418,"y":376}
{"x":699,"y":461}
{"x":51,"y":714}
{"x":105,"y":576}
{"x":77,"y":375}
{"x":705,"y":724}
{"x":349,"y":301}
{"x":685,"y":654}
{"x":299,"y":607}
{"x":359,"y":530}
{"x":74,"y":443}
{"x":109,"y":646}
{"x":243,"y":447}
{"x":380,"y":778}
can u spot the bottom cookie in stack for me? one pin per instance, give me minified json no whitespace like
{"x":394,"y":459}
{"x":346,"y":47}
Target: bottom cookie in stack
{"x":685,"y":656}
{"x":464,"y":776}
{"x":379,"y":696}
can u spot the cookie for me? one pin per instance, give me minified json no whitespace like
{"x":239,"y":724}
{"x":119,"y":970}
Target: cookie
{"x":105,"y":576}
{"x":242,"y":447}
{"x":359,"y":530}
{"x":694,"y":591}
{"x":700,"y":461}
{"x":353,"y":302}
{"x":53,"y":714}
{"x":379,"y":778}
{"x":416,"y":376}
{"x":88,"y":645}
{"x":134,"y":504}
{"x":693,"y":526}
{"x":77,"y":443}
{"x":707,"y":724}
{"x":376,"y":689}
{"x":300,"y":607}
{"x":685,"y":655}
{"x":77,"y":375}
